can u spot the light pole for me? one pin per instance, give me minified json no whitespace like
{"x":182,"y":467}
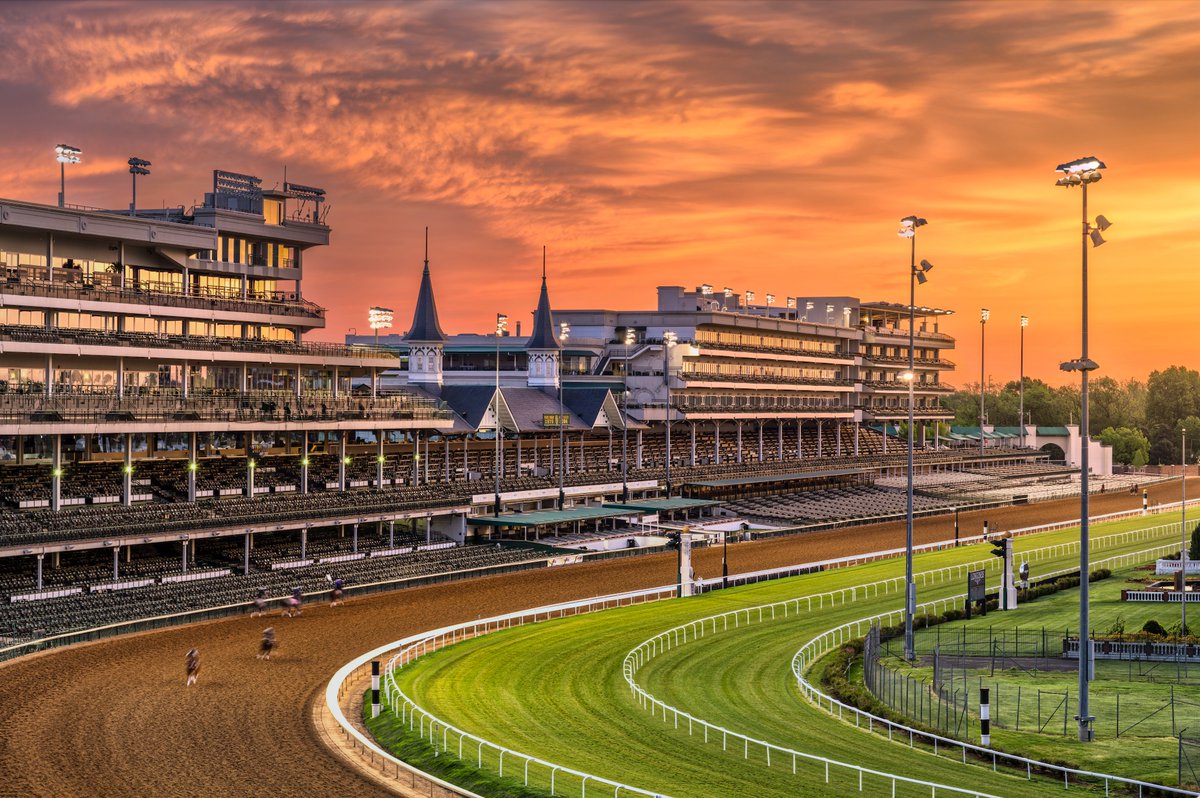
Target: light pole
{"x":908,"y":229}
{"x":137,"y":166}
{"x":1183,"y":536}
{"x":381,"y":319}
{"x":1021,"y":386}
{"x":564,"y":332}
{"x":670,"y":340}
{"x":65,"y":154}
{"x":629,"y":339}
{"x":984,"y":315}
{"x":501,"y":326}
{"x":1080,"y":172}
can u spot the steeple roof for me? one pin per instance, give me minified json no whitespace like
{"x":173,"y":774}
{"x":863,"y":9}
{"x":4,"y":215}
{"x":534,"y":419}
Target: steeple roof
{"x":545,"y":333}
{"x":425,"y":325}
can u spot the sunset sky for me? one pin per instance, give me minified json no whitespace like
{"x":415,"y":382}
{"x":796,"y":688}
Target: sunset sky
{"x":763,"y":146}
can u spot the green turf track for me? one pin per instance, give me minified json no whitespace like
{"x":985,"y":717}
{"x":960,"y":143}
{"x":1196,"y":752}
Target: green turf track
{"x":555,"y":690}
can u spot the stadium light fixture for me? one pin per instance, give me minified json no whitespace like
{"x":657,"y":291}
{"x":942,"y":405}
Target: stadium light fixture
{"x":749,"y":297}
{"x":137,"y":166}
{"x":706,"y":290}
{"x":630,"y":338}
{"x":984,"y":315}
{"x":791,"y":303}
{"x":379,"y":319}
{"x":65,"y":154}
{"x":770,"y":300}
{"x":1082,"y":172}
{"x":501,"y":328}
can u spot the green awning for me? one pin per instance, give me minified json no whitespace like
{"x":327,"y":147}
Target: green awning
{"x":1053,"y":431}
{"x":545,"y":517}
{"x":660,"y":505}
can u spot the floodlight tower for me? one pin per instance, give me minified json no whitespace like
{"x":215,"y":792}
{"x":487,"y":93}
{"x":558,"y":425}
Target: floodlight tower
{"x":1081,"y":172}
{"x":984,"y":315}
{"x":564,"y":332}
{"x":501,"y":326}
{"x":137,"y":166}
{"x":670,"y":341}
{"x":630,"y":338}
{"x":1021,"y":385}
{"x":65,"y":154}
{"x":908,"y":229}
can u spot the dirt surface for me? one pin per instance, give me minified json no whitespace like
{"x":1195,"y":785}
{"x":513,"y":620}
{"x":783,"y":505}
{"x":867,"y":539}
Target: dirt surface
{"x":114,"y":718}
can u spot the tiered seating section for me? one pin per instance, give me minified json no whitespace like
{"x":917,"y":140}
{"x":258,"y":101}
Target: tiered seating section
{"x":834,"y":504}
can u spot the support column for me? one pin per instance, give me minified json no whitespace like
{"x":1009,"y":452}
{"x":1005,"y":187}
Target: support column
{"x":246,"y":544}
{"x":799,"y":439}
{"x":184,"y":559}
{"x":392,"y":534}
{"x":304,"y":462}
{"x":303,"y":543}
{"x":692,"y":461}
{"x":250,"y":465}
{"x":56,"y":472}
{"x":116,"y":563}
{"x":40,"y":557}
{"x":518,"y":466}
{"x":885,"y":431}
{"x":378,"y":459}
{"x":639,"y":449}
{"x":838,"y":433}
{"x":120,"y":377}
{"x":857,"y":427}
{"x":245,"y":380}
{"x":49,"y":373}
{"x":334,"y":386}
{"x":446,"y":444}
{"x":127,"y":472}
{"x":610,"y":449}
{"x":428,"y":529}
{"x":416,"y":476}
{"x":192,"y":466}
{"x":760,"y":441}
{"x":779,"y":434}
{"x":466,"y":462}
{"x":739,"y":442}
{"x":820,"y":439}
{"x":354,"y":539}
{"x":342,"y":461}
{"x":717,"y":442}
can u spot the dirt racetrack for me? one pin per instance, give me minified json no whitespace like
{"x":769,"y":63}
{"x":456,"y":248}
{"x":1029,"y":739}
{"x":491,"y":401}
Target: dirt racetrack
{"x":114,"y":718}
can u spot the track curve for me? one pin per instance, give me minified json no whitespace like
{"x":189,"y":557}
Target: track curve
{"x":114,"y":718}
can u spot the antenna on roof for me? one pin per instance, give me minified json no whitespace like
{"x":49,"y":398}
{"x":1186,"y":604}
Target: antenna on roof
{"x":426,"y":247}
{"x":543,"y":263}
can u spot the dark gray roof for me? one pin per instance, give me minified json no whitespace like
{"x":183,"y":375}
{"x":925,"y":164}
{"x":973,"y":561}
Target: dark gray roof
{"x":425,"y":325}
{"x":586,"y":403}
{"x":469,"y":401}
{"x":530,"y":406}
{"x":545,"y":333}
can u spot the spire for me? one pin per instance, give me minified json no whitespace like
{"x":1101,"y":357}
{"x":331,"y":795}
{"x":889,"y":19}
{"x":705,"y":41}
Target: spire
{"x":545,"y":334}
{"x":425,"y":325}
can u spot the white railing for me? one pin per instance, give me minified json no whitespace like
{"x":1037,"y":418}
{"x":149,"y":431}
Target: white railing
{"x":420,"y":644}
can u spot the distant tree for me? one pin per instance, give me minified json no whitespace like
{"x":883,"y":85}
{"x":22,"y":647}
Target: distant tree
{"x":1130,"y":446}
{"x":1164,"y":451}
{"x":1194,"y":547}
{"x":1114,"y":404}
{"x":1171,"y":395}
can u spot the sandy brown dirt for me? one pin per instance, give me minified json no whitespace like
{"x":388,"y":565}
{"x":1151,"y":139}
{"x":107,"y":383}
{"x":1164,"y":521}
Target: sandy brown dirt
{"x":114,"y":718}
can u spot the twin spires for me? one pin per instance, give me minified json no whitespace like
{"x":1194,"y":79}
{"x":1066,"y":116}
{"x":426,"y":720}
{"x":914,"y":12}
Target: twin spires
{"x":426,"y":340}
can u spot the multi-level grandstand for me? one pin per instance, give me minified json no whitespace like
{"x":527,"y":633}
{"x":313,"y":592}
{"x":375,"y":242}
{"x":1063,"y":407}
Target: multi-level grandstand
{"x":169,"y":435}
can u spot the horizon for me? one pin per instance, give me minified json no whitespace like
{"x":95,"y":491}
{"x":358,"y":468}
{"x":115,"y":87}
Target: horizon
{"x":761,"y":146}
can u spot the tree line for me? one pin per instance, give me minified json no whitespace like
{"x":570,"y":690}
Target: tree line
{"x":1144,"y":422}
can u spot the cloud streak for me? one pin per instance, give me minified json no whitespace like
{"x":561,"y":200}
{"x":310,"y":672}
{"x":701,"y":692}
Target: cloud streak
{"x":765,"y":145}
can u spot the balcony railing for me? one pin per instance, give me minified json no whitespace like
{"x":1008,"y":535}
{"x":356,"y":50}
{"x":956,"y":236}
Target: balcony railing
{"x":60,"y":335}
{"x":896,"y":331}
{"x":903,"y":360}
{"x":73,"y":286}
{"x":166,"y":405}
{"x":764,"y":379}
{"x":775,"y":350}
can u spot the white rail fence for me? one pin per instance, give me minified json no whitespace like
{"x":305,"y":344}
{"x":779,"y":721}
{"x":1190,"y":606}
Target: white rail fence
{"x":430,"y":727}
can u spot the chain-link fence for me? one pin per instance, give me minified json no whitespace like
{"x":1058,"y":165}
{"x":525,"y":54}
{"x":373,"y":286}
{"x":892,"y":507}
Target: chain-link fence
{"x":1030,"y":683}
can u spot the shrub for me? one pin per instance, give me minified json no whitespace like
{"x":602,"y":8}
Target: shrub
{"x":1153,"y":627}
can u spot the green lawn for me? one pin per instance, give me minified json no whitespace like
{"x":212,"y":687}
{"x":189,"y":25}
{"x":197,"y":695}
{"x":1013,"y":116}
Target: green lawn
{"x":555,"y":690}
